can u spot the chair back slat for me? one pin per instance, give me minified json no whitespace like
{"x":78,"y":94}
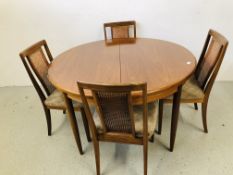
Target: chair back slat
{"x":211,"y":57}
{"x":37,"y":59}
{"x":209,"y":61}
{"x":120,"y":30}
{"x":40,"y":65}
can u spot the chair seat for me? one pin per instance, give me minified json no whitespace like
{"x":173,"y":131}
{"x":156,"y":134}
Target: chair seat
{"x":138,"y":117}
{"x":190,"y":91}
{"x":56,"y":100}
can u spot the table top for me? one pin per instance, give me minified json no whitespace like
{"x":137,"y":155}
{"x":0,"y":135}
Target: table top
{"x":163,"y":65}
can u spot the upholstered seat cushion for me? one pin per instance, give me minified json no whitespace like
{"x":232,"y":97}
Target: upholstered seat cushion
{"x":56,"y":100}
{"x":138,"y":118}
{"x":191,"y":90}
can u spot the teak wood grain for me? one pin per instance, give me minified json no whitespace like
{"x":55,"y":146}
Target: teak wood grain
{"x":163,"y":65}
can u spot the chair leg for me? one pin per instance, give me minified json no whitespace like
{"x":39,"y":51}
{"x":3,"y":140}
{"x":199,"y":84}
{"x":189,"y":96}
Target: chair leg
{"x":85,"y":123}
{"x":145,"y":156}
{"x":48,"y":120}
{"x":195,"y":106}
{"x":152,"y":138}
{"x":73,"y":122}
{"x":160,"y":118}
{"x":97,"y":155}
{"x":204,"y":119}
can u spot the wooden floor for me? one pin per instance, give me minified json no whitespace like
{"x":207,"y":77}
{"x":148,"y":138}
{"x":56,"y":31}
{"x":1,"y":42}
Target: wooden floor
{"x":25,"y":148}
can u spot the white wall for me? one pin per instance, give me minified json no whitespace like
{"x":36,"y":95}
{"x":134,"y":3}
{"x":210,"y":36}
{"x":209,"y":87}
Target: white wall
{"x":67,"y":23}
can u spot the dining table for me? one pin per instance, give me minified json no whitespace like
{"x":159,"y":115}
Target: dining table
{"x":163,"y":65}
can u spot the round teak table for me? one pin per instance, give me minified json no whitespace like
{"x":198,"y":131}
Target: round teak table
{"x":165,"y":66}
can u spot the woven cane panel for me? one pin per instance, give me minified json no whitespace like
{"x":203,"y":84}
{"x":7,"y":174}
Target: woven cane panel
{"x":120,"y":32}
{"x":138,"y":119}
{"x":115,"y":112}
{"x":209,"y":61}
{"x":40,"y":66}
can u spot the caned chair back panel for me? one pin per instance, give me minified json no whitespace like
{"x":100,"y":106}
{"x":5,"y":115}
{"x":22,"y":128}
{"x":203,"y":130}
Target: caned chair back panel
{"x":120,"y":30}
{"x":115,"y":111}
{"x":210,"y":59}
{"x":36,"y":59}
{"x":40,"y":66}
{"x":115,"y":108}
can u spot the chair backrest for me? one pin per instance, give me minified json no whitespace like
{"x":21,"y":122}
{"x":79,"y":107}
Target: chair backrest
{"x":36,"y":60}
{"x":210,"y":60}
{"x":120,"y":30}
{"x":114,"y":106}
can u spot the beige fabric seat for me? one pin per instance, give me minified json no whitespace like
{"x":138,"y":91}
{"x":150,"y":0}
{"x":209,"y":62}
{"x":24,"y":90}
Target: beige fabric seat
{"x":152,"y":114}
{"x":190,"y":91}
{"x":56,"y":100}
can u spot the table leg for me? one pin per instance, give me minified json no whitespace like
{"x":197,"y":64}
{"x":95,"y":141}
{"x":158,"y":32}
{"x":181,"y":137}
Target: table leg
{"x":175,"y":116}
{"x":160,"y":118}
{"x":73,"y":122}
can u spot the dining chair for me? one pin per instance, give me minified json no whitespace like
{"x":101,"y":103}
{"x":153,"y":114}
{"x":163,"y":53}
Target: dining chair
{"x":36,"y":60}
{"x":120,"y":30}
{"x":116,"y":119}
{"x":198,"y":87}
